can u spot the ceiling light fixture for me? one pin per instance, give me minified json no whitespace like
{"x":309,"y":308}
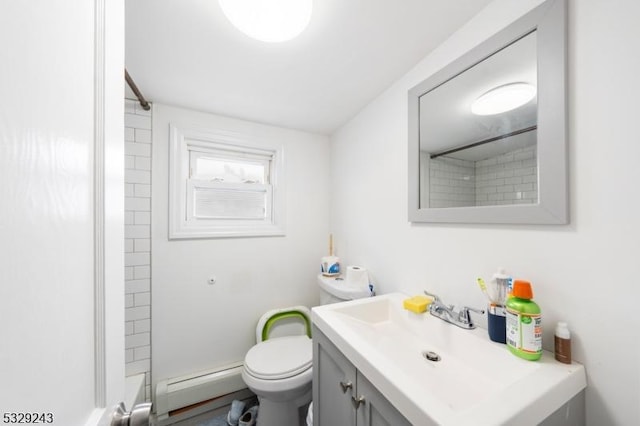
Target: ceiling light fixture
{"x":503,"y":98}
{"x":268,"y":20}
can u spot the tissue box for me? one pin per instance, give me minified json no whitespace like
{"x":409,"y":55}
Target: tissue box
{"x":417,"y":304}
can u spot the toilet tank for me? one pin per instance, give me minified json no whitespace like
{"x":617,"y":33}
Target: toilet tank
{"x":336,"y":289}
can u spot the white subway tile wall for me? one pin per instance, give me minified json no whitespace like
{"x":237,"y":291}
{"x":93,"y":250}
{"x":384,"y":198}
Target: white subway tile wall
{"x":451,"y":183}
{"x":509,"y":178}
{"x":137,"y":243}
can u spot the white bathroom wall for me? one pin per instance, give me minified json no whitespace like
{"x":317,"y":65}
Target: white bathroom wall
{"x":585,"y":272}
{"x":137,"y":241}
{"x":198,"y":326}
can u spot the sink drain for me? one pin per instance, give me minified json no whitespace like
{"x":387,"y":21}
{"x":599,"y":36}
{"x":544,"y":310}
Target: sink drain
{"x":431,"y":356}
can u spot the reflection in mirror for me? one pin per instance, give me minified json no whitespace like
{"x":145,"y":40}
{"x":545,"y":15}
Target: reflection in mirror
{"x":472,"y":161}
{"x":481,"y":158}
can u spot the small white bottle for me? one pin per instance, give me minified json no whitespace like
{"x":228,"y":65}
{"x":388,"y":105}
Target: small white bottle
{"x":563,"y":343}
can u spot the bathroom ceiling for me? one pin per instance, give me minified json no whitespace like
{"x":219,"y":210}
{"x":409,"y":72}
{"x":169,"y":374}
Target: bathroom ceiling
{"x":186,"y":53}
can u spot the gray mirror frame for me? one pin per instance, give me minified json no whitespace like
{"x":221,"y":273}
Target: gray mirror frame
{"x":549,"y":20}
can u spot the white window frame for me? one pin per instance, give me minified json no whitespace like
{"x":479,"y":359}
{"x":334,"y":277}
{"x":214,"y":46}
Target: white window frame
{"x":184,"y":141}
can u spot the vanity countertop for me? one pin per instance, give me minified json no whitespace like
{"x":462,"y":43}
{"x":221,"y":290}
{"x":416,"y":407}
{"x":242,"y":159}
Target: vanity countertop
{"x":476,"y":381}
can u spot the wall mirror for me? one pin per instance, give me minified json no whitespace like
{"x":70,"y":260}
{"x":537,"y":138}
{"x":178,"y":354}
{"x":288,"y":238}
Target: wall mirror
{"x":487,"y":133}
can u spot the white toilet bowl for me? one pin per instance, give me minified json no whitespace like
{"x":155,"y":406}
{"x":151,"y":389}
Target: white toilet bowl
{"x":278,"y":369}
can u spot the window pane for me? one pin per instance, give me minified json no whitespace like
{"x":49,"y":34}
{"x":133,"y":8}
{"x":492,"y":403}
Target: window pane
{"x":217,"y":203}
{"x":230,"y":170}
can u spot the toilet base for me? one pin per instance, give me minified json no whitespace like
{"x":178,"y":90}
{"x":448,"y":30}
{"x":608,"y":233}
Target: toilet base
{"x":281,"y":413}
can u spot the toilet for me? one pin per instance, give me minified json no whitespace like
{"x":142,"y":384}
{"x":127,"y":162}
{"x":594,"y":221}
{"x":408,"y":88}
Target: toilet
{"x":337,"y":289}
{"x":278,"y":368}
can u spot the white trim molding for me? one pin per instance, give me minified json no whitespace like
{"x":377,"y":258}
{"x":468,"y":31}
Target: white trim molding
{"x":182,"y":224}
{"x":108,"y":204}
{"x":99,"y":206}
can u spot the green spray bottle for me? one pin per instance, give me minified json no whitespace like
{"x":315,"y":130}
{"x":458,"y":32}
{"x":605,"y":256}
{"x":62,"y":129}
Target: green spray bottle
{"x":524,"y":322}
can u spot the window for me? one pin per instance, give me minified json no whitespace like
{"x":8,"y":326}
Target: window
{"x":224,"y":185}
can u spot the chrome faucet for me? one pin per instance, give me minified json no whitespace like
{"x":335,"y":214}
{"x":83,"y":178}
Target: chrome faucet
{"x":448,"y":313}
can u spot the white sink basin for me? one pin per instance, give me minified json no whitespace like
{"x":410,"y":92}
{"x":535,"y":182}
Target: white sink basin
{"x":476,"y":381}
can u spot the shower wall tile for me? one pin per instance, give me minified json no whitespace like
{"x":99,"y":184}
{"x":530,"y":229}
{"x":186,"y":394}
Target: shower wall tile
{"x":135,"y":148}
{"x":143,"y":136}
{"x":129,"y":133}
{"x":137,"y":242}
{"x":137,"y":204}
{"x":137,"y":286}
{"x":141,"y":190}
{"x":451,"y":183}
{"x":142,"y":245}
{"x":142,"y":326}
{"x":142,"y":271}
{"x":129,"y":245}
{"x":509,"y":178}
{"x":137,"y":121}
{"x":135,"y":313}
{"x":129,"y":189}
{"x":137,"y":340}
{"x":138,"y":367}
{"x":142,"y":218}
{"x":142,"y":299}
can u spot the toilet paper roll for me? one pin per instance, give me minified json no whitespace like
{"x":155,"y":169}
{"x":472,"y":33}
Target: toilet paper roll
{"x":357,"y":276}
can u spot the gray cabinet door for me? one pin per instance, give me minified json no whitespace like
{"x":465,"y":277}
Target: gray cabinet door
{"x":374,"y":409}
{"x":334,"y":382}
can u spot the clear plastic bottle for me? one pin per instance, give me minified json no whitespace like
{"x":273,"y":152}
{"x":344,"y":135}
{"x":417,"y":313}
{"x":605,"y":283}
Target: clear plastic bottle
{"x":502,"y":284}
{"x":524,"y":322}
{"x":562,"y":342}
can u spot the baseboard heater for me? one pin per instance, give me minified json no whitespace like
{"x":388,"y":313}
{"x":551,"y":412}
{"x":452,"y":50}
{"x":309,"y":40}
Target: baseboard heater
{"x":179,"y":392}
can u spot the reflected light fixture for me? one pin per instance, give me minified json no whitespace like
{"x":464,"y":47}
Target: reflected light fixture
{"x":503,"y":98}
{"x":271,"y":21}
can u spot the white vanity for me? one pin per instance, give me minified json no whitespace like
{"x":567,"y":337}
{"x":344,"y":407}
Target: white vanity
{"x":376,"y":363}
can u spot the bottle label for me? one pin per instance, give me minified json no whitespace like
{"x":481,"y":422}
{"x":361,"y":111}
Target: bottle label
{"x":524,"y":331}
{"x":563,"y":349}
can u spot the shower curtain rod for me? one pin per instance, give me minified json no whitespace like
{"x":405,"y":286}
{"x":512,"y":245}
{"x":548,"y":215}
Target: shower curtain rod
{"x":143,"y":102}
{"x":507,"y":135}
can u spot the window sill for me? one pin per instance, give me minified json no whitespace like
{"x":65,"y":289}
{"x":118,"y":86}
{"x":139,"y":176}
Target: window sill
{"x":250,"y":231}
